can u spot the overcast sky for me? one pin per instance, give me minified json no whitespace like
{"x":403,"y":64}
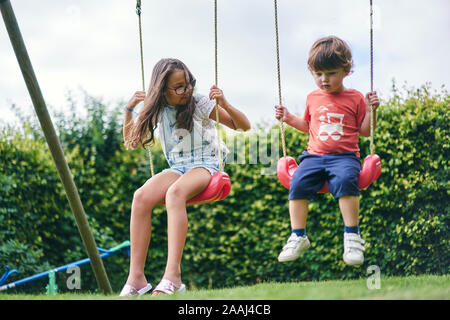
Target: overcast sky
{"x":94,"y":45}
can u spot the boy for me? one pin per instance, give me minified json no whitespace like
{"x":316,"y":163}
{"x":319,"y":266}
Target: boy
{"x":334,"y":116}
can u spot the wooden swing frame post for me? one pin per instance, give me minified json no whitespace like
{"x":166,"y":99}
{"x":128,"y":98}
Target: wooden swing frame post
{"x":54,"y":145}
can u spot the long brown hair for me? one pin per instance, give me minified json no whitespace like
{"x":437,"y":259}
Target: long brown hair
{"x":154,"y":102}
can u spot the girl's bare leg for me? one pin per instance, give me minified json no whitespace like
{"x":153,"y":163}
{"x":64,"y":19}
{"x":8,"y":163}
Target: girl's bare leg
{"x":190,"y":184}
{"x":145,"y":199}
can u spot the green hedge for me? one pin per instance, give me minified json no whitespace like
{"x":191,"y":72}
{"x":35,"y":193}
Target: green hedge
{"x":404,"y":214}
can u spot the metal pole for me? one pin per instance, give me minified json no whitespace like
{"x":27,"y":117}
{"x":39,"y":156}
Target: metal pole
{"x":54,"y":145}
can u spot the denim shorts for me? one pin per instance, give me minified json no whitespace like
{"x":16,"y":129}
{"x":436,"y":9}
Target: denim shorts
{"x":181,"y":167}
{"x":341,"y":170}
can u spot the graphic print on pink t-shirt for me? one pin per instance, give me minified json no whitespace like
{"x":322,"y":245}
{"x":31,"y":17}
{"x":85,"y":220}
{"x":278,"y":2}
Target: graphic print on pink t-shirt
{"x":334,"y":121}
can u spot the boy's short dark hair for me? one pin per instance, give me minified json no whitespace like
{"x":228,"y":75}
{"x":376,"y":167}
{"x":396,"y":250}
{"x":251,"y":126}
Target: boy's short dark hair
{"x":330,"y":53}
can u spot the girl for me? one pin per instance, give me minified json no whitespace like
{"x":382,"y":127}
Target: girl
{"x":189,"y":142}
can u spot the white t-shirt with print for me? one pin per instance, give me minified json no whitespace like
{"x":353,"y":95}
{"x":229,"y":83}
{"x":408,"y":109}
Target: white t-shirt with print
{"x":180,"y":145}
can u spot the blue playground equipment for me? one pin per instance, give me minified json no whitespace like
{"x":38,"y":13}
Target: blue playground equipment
{"x":51,"y":288}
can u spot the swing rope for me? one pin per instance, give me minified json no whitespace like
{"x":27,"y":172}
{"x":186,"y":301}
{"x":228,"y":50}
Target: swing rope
{"x":372,"y":115}
{"x":138,"y":12}
{"x":283,"y":138}
{"x":219,"y":156}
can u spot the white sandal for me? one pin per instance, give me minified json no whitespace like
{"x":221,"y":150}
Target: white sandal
{"x":167,"y":287}
{"x":129,"y":291}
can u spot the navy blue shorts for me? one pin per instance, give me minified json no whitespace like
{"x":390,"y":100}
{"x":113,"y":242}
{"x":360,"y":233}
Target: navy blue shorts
{"x":341,"y":170}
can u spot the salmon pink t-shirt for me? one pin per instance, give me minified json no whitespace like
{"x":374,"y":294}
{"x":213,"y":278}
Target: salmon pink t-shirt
{"x":334,"y":121}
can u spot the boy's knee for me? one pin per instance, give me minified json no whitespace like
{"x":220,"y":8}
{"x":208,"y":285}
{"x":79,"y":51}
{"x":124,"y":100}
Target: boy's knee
{"x":305,"y":187}
{"x":344,"y":186}
{"x":346,"y":180}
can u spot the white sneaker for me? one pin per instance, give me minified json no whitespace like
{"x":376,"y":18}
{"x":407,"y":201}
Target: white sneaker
{"x":353,"y":249}
{"x":293,"y":248}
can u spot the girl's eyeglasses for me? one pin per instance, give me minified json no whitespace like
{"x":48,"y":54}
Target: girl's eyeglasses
{"x":182,"y":90}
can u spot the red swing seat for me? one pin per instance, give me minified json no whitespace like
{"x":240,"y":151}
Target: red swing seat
{"x":218,"y":189}
{"x":370,"y":171}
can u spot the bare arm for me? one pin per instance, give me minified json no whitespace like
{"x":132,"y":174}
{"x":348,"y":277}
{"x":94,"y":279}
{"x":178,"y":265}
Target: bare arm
{"x":371,"y":100}
{"x":128,"y":118}
{"x":228,"y":115}
{"x":292,"y":120}
{"x":127,"y":125}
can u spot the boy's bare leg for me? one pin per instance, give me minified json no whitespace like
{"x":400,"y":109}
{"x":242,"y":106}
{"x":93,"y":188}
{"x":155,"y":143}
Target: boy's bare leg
{"x":349,"y":206}
{"x":353,"y":244}
{"x":298,"y":211}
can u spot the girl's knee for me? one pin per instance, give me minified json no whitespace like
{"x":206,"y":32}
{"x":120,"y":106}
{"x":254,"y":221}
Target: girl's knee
{"x":139,"y":196}
{"x":142,"y":200}
{"x":175,"y":194}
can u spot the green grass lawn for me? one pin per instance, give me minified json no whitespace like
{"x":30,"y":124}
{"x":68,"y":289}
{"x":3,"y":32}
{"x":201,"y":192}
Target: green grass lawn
{"x":397,"y":288}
